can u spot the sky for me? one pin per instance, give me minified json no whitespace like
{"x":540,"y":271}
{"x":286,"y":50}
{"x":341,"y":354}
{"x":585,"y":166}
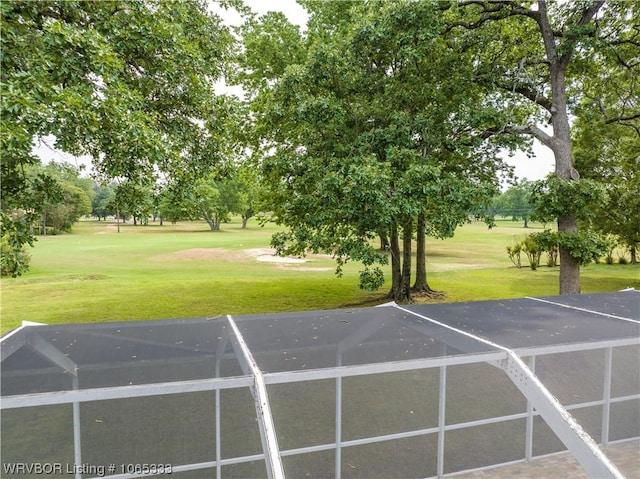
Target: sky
{"x":534,"y":168}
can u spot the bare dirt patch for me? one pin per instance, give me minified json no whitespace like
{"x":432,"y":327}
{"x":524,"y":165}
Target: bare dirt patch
{"x":108,"y":228}
{"x":205,"y":254}
{"x":267,"y":255}
{"x":303,"y":268}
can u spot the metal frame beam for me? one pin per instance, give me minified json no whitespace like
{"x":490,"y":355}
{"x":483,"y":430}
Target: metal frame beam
{"x":574,"y":437}
{"x":579,"y":443}
{"x":263,"y":409}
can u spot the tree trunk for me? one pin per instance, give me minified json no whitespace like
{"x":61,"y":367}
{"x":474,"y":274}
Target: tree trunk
{"x":560,"y":144}
{"x":421,"y":285}
{"x":244,"y":222}
{"x":400,"y":263}
{"x":207,"y":217}
{"x":384,"y":241}
{"x":634,"y":253}
{"x":569,"y":268}
{"x":407,"y":237}
{"x":396,"y":273}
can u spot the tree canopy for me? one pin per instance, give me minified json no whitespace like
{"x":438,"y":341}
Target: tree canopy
{"x":128,"y":83}
{"x":380,"y":120}
{"x":540,"y":59}
{"x":515,"y":202}
{"x":370,"y":136}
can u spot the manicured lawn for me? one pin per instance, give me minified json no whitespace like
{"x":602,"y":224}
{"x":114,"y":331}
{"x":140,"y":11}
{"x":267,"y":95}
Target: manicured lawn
{"x":184,"y":270}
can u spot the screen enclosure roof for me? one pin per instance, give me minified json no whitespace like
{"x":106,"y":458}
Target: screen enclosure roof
{"x":145,"y":352}
{"x":268,"y":371}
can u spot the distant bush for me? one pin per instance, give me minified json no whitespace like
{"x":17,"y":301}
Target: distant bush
{"x":13,"y":261}
{"x":548,"y":242}
{"x":533,"y":251}
{"x":610,"y":243}
{"x":515,"y":252}
{"x":583,"y":247}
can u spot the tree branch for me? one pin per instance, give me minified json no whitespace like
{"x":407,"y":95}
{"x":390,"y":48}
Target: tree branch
{"x":492,"y":10}
{"x":621,"y":118}
{"x":528,"y":93}
{"x":498,"y":5}
{"x":586,"y":17}
{"x":636,"y":128}
{"x":532,"y":130}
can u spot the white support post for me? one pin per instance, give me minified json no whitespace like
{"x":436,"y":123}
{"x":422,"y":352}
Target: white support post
{"x":77,"y":440}
{"x":528,"y":442}
{"x":222,"y":344}
{"x":441,"y":419}
{"x":579,"y":443}
{"x":338,"y":471}
{"x":263,"y":410}
{"x":53,"y":354}
{"x":606,"y":394}
{"x":338,"y":455}
{"x":218,"y":436}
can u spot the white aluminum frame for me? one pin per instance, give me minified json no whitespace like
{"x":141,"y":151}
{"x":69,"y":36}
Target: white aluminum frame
{"x":539,"y":401}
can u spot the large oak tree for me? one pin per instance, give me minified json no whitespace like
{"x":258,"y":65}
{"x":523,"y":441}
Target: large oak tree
{"x":373,"y":133}
{"x":537,"y":57}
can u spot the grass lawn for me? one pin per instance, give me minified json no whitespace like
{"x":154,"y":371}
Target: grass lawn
{"x":185,"y":270}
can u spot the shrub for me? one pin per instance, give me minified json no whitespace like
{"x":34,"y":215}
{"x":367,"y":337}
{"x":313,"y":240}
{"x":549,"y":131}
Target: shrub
{"x":515,"y":251}
{"x":16,"y":236}
{"x":533,"y":251}
{"x":548,"y":243}
{"x":610,"y":243}
{"x":13,"y":261}
{"x":583,"y":246}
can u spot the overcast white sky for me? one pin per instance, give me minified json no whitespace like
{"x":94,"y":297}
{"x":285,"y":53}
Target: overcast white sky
{"x":534,"y":168}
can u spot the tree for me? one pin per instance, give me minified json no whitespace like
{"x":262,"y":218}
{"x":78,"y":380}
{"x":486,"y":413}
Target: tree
{"x":174,"y":203}
{"x":135,"y":199}
{"x":370,"y":136}
{"x":515,"y":202}
{"x":102,"y":201}
{"x":250,"y":193}
{"x":216,"y":199}
{"x":129,"y":83}
{"x":66,"y":199}
{"x":608,"y":152}
{"x":538,"y":55}
{"x":73,"y":205}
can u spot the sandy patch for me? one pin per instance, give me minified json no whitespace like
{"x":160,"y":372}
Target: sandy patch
{"x":266,"y":255}
{"x":108,"y":229}
{"x":205,"y":254}
{"x":303,"y":268}
{"x":267,"y":258}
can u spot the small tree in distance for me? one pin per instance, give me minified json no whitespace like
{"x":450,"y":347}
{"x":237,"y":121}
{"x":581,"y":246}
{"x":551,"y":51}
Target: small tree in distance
{"x":515,"y":203}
